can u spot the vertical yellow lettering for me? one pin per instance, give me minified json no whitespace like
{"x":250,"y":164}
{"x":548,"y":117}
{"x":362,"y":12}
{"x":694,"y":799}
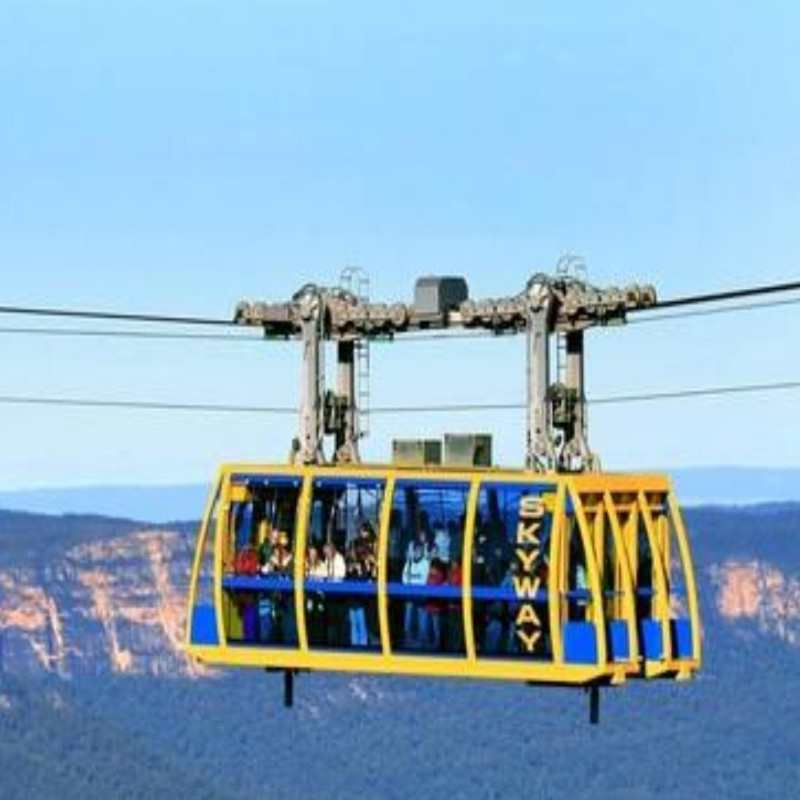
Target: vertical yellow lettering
{"x":526,"y":614}
{"x":526,"y":559}
{"x":526,"y":586}
{"x":529,"y":639}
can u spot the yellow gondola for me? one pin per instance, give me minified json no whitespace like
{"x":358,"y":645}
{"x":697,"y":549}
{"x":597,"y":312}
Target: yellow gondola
{"x":558,"y":574}
{"x":562,"y":579}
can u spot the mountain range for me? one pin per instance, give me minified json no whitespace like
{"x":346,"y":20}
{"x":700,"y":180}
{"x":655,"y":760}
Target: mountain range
{"x":98,"y":700}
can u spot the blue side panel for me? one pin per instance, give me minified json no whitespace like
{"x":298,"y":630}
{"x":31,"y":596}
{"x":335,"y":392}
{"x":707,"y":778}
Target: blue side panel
{"x":681,"y":638}
{"x":651,"y":640}
{"x":204,"y":626}
{"x":619,"y":646}
{"x":580,"y":643}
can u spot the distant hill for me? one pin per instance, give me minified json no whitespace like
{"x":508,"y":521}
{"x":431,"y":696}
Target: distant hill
{"x":153,"y":503}
{"x":97,"y":699}
{"x":724,"y":485}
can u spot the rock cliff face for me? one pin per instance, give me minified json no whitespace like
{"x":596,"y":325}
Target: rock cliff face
{"x":758,"y":592}
{"x":111,"y":599}
{"x":116,"y":605}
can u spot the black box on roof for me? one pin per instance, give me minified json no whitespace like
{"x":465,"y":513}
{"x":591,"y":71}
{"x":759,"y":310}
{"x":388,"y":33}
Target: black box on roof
{"x":435,"y":295}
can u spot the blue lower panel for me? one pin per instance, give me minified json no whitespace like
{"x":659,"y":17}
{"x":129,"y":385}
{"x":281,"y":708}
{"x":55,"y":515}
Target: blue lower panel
{"x":652,"y":642}
{"x":682,"y":638}
{"x":204,"y":626}
{"x":619,"y":646}
{"x":580,"y":643}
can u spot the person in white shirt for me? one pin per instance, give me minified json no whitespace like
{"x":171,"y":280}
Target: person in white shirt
{"x":415,"y":573}
{"x":335,"y":566}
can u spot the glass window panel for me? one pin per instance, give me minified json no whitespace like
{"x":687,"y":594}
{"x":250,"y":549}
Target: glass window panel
{"x":341,"y":570}
{"x":426,"y":541}
{"x":510,"y":571}
{"x":259,"y":585}
{"x":676,"y":575}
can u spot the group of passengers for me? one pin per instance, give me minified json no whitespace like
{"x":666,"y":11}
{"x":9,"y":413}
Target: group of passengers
{"x":333,"y":620}
{"x":433,"y":622}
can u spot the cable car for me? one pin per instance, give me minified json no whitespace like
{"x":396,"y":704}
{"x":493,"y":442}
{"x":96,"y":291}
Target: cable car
{"x":582,"y":580}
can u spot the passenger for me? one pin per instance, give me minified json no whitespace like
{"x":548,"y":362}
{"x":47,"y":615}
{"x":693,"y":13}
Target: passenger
{"x":368,"y":542}
{"x":430,"y":612}
{"x":316,"y":569}
{"x":415,"y":573}
{"x":441,"y":541}
{"x":281,"y":559}
{"x":315,"y":600}
{"x":267,"y":548}
{"x":335,"y":571}
{"x":335,"y":566}
{"x":454,"y":625}
{"x":420,"y":540}
{"x":281,"y":566}
{"x":357,"y":571}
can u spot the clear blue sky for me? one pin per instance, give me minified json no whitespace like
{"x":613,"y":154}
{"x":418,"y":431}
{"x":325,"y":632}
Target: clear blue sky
{"x":179,"y":157}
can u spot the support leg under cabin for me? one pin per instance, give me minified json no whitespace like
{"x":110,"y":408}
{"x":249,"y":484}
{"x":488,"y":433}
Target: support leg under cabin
{"x":594,"y":705}
{"x":288,"y":688}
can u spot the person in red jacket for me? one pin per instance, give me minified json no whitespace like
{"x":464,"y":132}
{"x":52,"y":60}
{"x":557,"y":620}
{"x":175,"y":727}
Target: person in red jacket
{"x":431,"y":625}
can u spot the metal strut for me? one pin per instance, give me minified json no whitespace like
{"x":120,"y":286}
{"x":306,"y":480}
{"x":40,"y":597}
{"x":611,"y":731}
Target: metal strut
{"x":564,"y":305}
{"x":288,"y":688}
{"x":540,"y":450}
{"x":594,"y":705}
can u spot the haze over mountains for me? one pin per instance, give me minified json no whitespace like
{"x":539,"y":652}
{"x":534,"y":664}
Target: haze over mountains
{"x":724,"y":485}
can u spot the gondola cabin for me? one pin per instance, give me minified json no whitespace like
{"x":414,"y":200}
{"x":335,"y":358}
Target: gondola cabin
{"x":580,"y":579}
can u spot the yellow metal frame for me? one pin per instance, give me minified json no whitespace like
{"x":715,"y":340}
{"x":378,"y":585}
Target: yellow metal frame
{"x":597,"y":500}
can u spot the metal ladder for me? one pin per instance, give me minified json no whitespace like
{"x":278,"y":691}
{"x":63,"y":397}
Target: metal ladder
{"x":356,"y":281}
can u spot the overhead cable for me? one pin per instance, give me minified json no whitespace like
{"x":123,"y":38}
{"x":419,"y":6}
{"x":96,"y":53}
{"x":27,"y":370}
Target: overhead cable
{"x":720,"y":297}
{"x":116,"y":316}
{"x":148,"y":405}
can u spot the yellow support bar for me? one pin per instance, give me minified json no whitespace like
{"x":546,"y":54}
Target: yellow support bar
{"x":554,"y":583}
{"x":301,"y":523}
{"x":223,"y":525}
{"x":598,"y":614}
{"x":661,"y":604}
{"x":466,"y":572}
{"x":383,"y":566}
{"x":688,"y":572}
{"x":490,"y":669}
{"x":628,"y":603}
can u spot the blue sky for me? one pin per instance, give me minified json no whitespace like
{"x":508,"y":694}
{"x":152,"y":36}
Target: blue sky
{"x":179,"y":157}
